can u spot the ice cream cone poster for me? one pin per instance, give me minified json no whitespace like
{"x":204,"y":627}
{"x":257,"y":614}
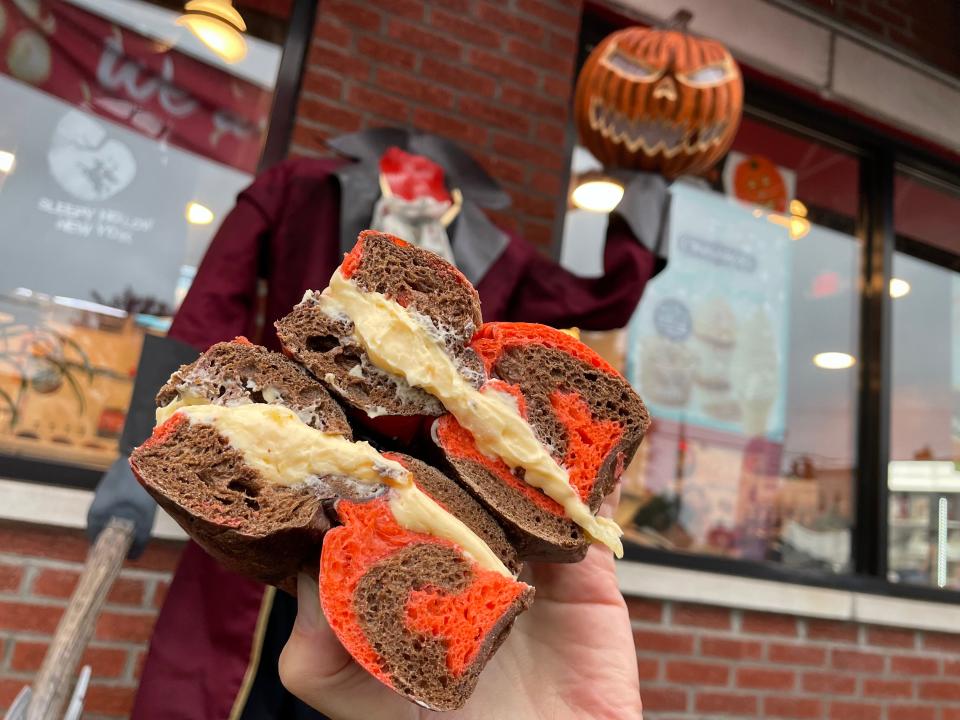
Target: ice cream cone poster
{"x":707,"y":345}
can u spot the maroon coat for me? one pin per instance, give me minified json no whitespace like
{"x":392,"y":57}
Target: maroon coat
{"x":285,"y":227}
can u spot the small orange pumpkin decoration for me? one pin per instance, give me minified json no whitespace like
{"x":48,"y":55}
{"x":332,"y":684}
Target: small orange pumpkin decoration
{"x":659,"y":100}
{"x":756,"y":179}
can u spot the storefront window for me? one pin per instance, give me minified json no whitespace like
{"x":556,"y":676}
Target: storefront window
{"x":923,"y":479}
{"x":124,"y":139}
{"x":744,"y":350}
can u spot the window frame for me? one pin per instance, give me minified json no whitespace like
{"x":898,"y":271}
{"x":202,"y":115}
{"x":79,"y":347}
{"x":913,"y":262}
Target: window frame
{"x":880,"y":154}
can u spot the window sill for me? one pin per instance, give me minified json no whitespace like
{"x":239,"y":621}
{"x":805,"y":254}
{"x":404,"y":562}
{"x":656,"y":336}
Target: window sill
{"x":714,"y":588}
{"x":63,"y":507}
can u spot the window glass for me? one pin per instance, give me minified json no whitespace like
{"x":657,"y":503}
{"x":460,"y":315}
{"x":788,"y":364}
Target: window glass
{"x":744,"y":349}
{"x":924,"y":483}
{"x":124,"y":139}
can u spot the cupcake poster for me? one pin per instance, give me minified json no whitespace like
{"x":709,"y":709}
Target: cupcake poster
{"x":707,"y":344}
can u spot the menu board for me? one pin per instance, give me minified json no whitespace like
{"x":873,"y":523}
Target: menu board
{"x":707,"y":346}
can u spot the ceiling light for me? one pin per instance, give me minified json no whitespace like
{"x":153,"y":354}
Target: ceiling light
{"x":198,"y":214}
{"x":834,"y":360}
{"x":218,"y":25}
{"x":597,"y":194}
{"x":7,"y":161}
{"x":798,"y":208}
{"x":898,"y":287}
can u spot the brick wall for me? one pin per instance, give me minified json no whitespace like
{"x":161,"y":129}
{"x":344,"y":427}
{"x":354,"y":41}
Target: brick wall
{"x":698,"y":662}
{"x":927,"y":29}
{"x":39,"y":567}
{"x":494,"y":76}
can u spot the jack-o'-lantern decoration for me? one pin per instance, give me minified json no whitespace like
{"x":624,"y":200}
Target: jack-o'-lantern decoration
{"x":659,"y":100}
{"x":757,"y":180}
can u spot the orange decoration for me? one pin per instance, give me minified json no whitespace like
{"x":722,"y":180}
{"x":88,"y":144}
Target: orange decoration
{"x":659,"y":100}
{"x":756,"y":179}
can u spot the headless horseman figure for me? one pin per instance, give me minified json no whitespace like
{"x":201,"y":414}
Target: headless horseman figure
{"x":218,"y":637}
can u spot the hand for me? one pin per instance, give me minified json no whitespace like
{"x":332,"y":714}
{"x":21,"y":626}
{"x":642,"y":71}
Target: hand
{"x":569,"y":657}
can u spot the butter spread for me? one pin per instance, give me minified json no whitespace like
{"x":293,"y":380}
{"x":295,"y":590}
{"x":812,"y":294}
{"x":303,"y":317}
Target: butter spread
{"x":286,"y":451}
{"x":164,"y":413}
{"x":396,"y":342}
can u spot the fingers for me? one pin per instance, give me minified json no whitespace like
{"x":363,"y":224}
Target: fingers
{"x":315,"y":667}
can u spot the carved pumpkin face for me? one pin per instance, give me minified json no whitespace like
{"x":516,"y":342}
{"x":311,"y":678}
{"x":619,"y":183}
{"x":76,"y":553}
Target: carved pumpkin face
{"x":658,"y":100}
{"x":757,"y":180}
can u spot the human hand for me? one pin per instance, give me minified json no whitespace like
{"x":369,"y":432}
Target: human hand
{"x":570,"y":656}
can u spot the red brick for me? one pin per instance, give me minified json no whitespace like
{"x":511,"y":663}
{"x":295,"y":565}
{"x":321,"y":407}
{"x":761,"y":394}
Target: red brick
{"x":726,"y":703}
{"x":109,"y":700}
{"x":105,"y":662}
{"x":538,"y":206}
{"x":950,"y":713}
{"x":942,"y":641}
{"x":356,"y":14}
{"x":409,"y":9}
{"x":539,"y":233}
{"x":508,"y":22}
{"x":384,"y":51}
{"x":873,"y":687}
{"x":551,"y":133}
{"x":330,"y":31}
{"x":648,"y":668}
{"x":705,"y":616}
{"x":797,"y":654}
{"x":730,"y":649}
{"x":765,"y":678}
{"x":413,"y":36}
{"x":939,"y":690}
{"x":457,"y":6}
{"x":503,"y":169}
{"x":43,"y":541}
{"x":656,"y":699}
{"x":891,"y":637}
{"x":548,"y":183}
{"x":501,"y":68}
{"x":563,"y":15}
{"x":663,"y":642}
{"x":55,"y":583}
{"x":951,"y":667}
{"x":769,"y":623}
{"x":29,"y":617}
{"x":126,"y":591}
{"x":365,"y":99}
{"x":124,"y":626}
{"x":27,"y":656}
{"x":911,"y":712}
{"x":687,"y":672}
{"x":426,"y":92}
{"x":909,"y":665}
{"x":450,"y":126}
{"x":563,"y":43}
{"x":503,"y":219}
{"x":466,"y":28}
{"x":857,"y":661}
{"x":329,"y":114}
{"x":347,"y":64}
{"x":138,"y":664}
{"x":160,"y":593}
{"x":832,"y":630}
{"x":829,"y":683}
{"x":532,"y":102}
{"x":322,"y":83}
{"x":792,"y":707}
{"x":457,"y":76}
{"x":160,"y":555}
{"x":887,"y":15}
{"x":494,"y":114}
{"x":840,"y":710}
{"x":9,"y":690}
{"x":528,"y":151}
{"x":559,"y":63}
{"x":557,"y":87}
{"x":10,"y":577}
{"x":309,"y":138}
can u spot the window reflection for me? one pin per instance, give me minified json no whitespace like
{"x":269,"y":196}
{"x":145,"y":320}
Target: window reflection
{"x":751,"y":452}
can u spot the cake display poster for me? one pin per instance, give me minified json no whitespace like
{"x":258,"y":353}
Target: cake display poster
{"x":707,"y":344}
